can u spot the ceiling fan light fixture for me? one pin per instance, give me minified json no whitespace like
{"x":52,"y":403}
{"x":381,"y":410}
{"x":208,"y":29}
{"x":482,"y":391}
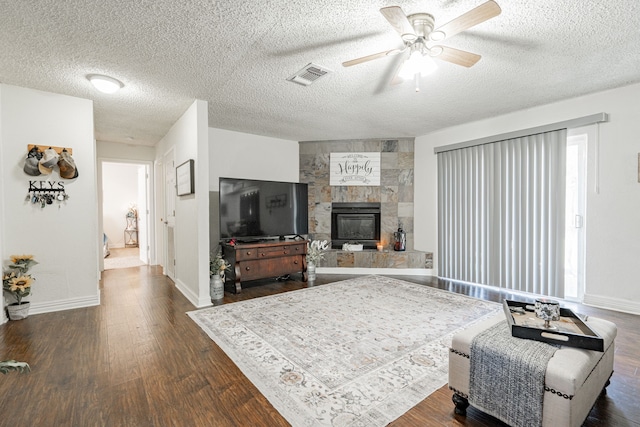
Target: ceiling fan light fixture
{"x":417,"y":63}
{"x":105,"y":84}
{"x":437,"y":36}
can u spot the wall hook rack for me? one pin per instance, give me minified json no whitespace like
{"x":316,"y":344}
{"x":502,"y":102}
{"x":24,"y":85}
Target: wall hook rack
{"x":46,"y":197}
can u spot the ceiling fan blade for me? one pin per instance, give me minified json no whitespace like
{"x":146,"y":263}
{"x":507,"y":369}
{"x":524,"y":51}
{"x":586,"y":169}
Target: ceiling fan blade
{"x":455,"y":56}
{"x":371,"y":57}
{"x":396,"y":79}
{"x":467,"y":20}
{"x":399,"y":22}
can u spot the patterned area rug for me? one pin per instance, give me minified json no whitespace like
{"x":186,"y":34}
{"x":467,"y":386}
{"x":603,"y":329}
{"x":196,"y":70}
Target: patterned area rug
{"x":360,"y":352}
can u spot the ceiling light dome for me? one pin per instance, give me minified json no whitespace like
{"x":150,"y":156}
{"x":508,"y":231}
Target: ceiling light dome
{"x":105,"y":84}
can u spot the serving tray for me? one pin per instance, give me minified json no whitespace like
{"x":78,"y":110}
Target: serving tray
{"x":570,"y":329}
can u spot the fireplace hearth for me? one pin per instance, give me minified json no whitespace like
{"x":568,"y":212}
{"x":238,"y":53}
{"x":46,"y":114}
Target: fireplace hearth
{"x":356,"y":222}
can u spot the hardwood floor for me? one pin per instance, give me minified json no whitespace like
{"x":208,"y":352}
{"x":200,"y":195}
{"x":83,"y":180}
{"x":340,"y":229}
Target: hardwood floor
{"x":138,"y":360}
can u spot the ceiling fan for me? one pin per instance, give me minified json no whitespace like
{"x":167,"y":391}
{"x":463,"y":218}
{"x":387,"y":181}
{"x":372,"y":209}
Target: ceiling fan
{"x":419,"y":37}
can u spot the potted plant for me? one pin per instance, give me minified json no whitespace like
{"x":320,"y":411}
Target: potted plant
{"x":17,"y":282}
{"x":315,"y":253}
{"x":217,"y":267}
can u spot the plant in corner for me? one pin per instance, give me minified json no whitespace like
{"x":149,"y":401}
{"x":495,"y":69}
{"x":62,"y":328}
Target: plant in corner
{"x":217,"y":267}
{"x":217,"y":264}
{"x":17,"y":282}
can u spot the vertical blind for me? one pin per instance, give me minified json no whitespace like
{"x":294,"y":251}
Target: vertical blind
{"x":501,"y":213}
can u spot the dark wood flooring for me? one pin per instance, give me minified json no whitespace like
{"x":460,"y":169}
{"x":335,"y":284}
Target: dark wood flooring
{"x":138,"y":360}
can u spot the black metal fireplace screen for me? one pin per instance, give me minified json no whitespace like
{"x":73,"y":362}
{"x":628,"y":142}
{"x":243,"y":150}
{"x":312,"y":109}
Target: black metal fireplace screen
{"x":355,"y":223}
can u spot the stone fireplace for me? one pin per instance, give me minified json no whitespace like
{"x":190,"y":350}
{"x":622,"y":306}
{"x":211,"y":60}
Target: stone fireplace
{"x":394,"y":195}
{"x":357,"y":222}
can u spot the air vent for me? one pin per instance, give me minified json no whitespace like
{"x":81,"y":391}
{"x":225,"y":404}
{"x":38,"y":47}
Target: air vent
{"x":309,"y":74}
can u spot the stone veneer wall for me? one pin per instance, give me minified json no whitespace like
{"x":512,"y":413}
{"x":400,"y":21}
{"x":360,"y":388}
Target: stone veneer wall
{"x":395,"y":192}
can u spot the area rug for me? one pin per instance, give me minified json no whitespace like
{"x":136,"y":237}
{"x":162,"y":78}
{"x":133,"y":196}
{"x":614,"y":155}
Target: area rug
{"x":359,"y":352}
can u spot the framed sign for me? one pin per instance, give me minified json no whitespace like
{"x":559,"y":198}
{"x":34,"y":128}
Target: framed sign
{"x":354,"y":169}
{"x":184,"y":178}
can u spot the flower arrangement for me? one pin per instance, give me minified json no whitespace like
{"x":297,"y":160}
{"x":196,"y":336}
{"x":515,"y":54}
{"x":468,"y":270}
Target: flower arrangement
{"x":217,"y":264}
{"x":16,"y":281}
{"x":315,"y":250}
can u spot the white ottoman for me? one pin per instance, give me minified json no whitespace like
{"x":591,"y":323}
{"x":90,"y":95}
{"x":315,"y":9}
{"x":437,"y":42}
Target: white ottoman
{"x":573,"y":381}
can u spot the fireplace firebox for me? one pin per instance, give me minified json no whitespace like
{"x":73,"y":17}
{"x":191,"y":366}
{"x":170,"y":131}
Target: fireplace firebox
{"x":357,"y":222}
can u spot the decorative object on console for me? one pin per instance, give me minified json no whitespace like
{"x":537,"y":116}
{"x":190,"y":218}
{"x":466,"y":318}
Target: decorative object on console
{"x":17,"y":282}
{"x":400,"y":238}
{"x":547,"y":310}
{"x":315,"y":253}
{"x":352,"y":247}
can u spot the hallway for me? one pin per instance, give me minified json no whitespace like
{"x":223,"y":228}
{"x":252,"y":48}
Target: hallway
{"x":122,"y":258}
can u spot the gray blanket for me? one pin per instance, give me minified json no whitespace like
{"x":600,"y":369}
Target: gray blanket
{"x":507,"y":375}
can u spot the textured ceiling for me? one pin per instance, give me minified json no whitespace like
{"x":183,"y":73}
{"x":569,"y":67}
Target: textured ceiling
{"x":237,"y":55}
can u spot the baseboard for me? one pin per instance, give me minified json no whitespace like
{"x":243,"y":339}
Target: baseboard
{"x":609,"y":303}
{"x":61,"y":305}
{"x":191,"y":296}
{"x":366,"y":270}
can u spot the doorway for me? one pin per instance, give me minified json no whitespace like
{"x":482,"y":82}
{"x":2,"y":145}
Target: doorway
{"x":125,"y":213}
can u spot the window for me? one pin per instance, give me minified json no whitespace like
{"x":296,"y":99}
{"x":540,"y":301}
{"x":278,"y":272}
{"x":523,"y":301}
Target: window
{"x":501,"y":213}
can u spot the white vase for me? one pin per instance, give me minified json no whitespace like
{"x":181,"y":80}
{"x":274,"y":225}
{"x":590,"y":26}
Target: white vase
{"x":311,"y":271}
{"x":216,"y":287}
{"x":18,"y":311}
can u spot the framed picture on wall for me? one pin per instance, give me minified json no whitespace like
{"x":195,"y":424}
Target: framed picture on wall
{"x":184,"y":178}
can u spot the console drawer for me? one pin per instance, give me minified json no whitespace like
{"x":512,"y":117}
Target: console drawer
{"x":279,"y":251}
{"x":257,"y":269}
{"x":244,"y":254}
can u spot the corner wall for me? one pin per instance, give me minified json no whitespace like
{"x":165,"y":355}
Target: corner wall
{"x":395,"y":192}
{"x":189,"y":137}
{"x":64,"y":239}
{"x":613,"y":201}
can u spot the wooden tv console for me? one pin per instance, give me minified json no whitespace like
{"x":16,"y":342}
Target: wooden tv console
{"x":251,"y":261}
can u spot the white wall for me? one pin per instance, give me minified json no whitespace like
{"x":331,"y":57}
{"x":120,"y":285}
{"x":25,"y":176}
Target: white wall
{"x":64,"y":240}
{"x":243,"y":155}
{"x":189,"y":137}
{"x":116,"y":150}
{"x":119,"y":192}
{"x":613,"y":228}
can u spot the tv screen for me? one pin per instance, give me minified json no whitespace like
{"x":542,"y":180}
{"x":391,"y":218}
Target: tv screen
{"x":254,"y":209}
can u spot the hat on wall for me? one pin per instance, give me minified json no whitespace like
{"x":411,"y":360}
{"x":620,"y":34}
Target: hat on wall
{"x":67,"y":165}
{"x":31,"y":164}
{"x":48,"y":161}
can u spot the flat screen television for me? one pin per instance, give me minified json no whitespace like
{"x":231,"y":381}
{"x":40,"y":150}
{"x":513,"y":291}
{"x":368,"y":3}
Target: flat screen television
{"x":254,"y":210}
